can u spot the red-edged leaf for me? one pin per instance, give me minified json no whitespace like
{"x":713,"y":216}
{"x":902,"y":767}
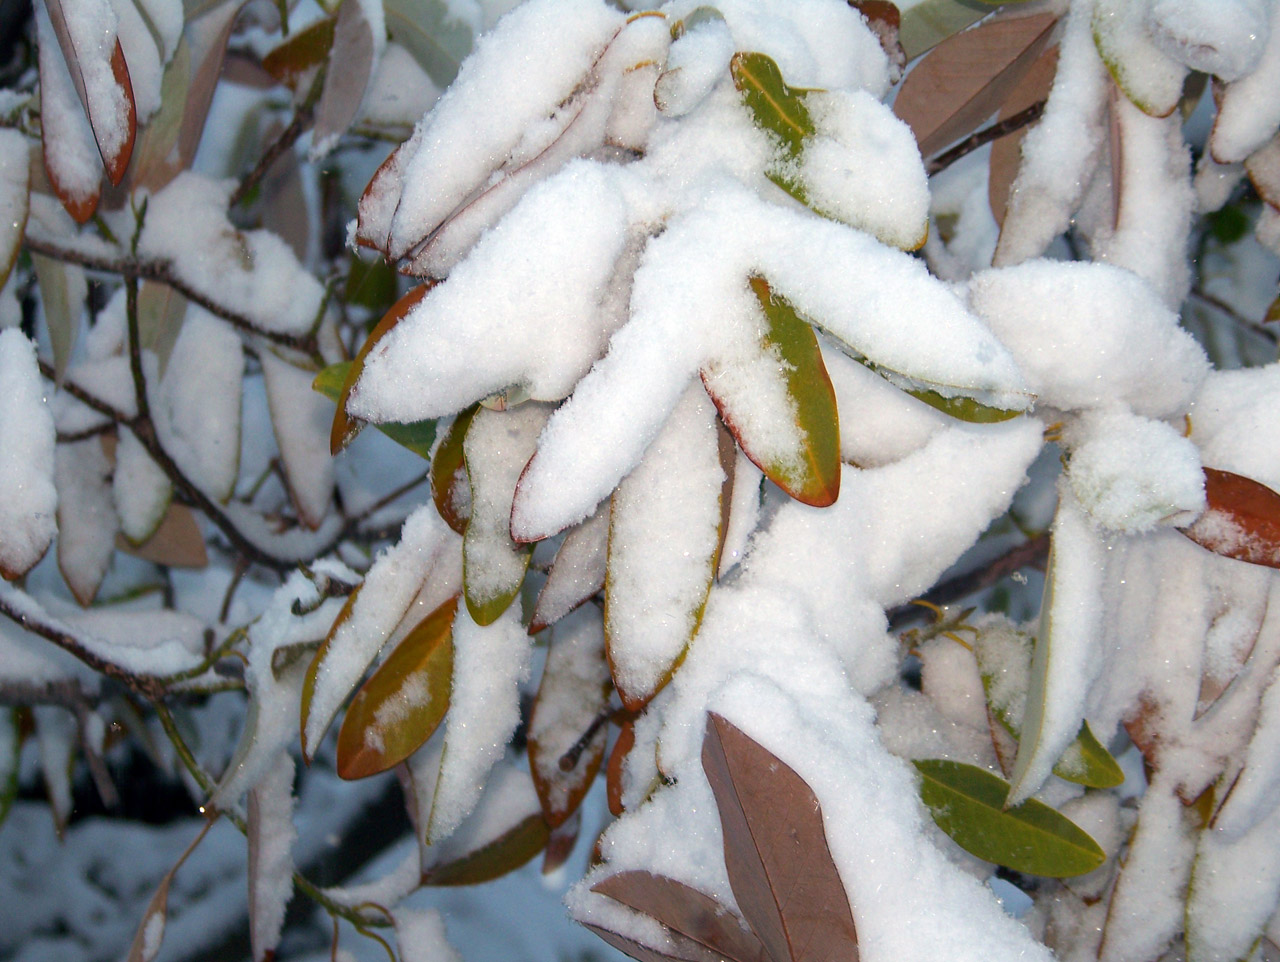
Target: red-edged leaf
{"x":687,"y":911}
{"x":345,"y":428}
{"x":450,"y":488}
{"x":1242,"y":520}
{"x":775,"y":849}
{"x":577,"y":573}
{"x":966,"y":78}
{"x":1006,"y":152}
{"x":566,"y":738}
{"x":504,"y":854}
{"x":808,"y":466}
{"x":68,"y":149}
{"x":560,"y":844}
{"x":403,"y":702}
{"x":1263,"y":167}
{"x":379,"y":200}
{"x":885,"y":20}
{"x":303,"y":52}
{"x":617,"y":758}
{"x":351,"y":64}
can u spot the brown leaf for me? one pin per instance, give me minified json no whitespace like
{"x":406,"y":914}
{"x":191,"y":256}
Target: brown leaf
{"x":682,"y":949}
{"x":208,"y":35}
{"x":350,"y":67}
{"x":1242,"y":520}
{"x":294,"y":59}
{"x":613,"y":771}
{"x":1006,"y":152}
{"x":561,"y":842}
{"x":177,"y":542}
{"x":775,"y":850}
{"x":966,"y":78}
{"x":686,"y":911}
{"x":885,"y":19}
{"x":450,"y":487}
{"x":577,"y":573}
{"x":146,"y":943}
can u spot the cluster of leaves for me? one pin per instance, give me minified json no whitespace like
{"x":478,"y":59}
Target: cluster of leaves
{"x":602,"y":432}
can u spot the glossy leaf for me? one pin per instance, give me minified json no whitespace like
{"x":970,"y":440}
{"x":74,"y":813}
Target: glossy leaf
{"x":775,"y":107}
{"x":370,"y":283}
{"x":966,"y":78}
{"x":686,"y":911}
{"x":617,"y":758}
{"x":437,"y":39}
{"x":963,"y":408}
{"x":403,"y":702}
{"x":775,"y":850}
{"x":1242,"y":520}
{"x":967,"y":803}
{"x":417,"y":437}
{"x":14,"y":196}
{"x":345,"y":428}
{"x":450,"y":487}
{"x":302,"y":52}
{"x":504,"y":854}
{"x":810,"y":470}
{"x":927,"y":23}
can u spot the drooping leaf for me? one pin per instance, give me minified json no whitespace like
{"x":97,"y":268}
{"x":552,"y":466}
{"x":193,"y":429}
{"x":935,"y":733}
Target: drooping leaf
{"x":301,"y":53}
{"x":664,"y":535}
{"x":271,"y":834}
{"x":345,"y":428}
{"x":92,"y":51}
{"x":966,"y":78}
{"x":87,"y":522}
{"x":807,"y":468}
{"x":572,"y":695}
{"x":1242,"y":520}
{"x":300,"y":422}
{"x":63,"y":290}
{"x":177,"y":542}
{"x":497,"y":447}
{"x":10,"y":744}
{"x":494,"y":858}
{"x":352,"y":60}
{"x":1006,"y":152}
{"x":14,"y":196}
{"x":438,"y":40}
{"x":450,"y":487}
{"x":403,"y":702}
{"x":208,"y":36}
{"x":152,"y":165}
{"x":775,"y":850}
{"x":775,"y":107}
{"x":150,"y":934}
{"x":577,"y":573}
{"x":70,"y":154}
{"x":967,"y":803}
{"x":686,"y":911}
{"x":561,"y":843}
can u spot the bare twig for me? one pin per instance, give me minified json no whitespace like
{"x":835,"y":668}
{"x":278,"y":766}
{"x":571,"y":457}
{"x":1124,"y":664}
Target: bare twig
{"x":301,"y":123}
{"x":984,"y":136}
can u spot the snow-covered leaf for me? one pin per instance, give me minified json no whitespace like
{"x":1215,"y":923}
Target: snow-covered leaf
{"x":967,"y":803}
{"x":70,"y":155}
{"x":345,"y":428}
{"x":1006,"y":152}
{"x":1263,"y":167}
{"x":434,"y":33}
{"x":152,"y":162}
{"x":208,"y":35}
{"x":450,"y":488}
{"x":271,"y":836}
{"x":300,"y":420}
{"x":1150,"y":78}
{"x":572,"y":694}
{"x":796,"y":440}
{"x":966,"y":78}
{"x":150,"y":934}
{"x":177,"y":542}
{"x":776,"y":107}
{"x":14,"y":191}
{"x":625,"y":741}
{"x":664,"y":539}
{"x":417,"y":437}
{"x":63,"y":289}
{"x":403,"y":702}
{"x":56,"y":738}
{"x":1242,"y":520}
{"x":497,"y":447}
{"x":140,"y":488}
{"x":775,"y":849}
{"x":420,"y":936}
{"x":577,"y":573}
{"x":27,"y":511}
{"x":1247,"y":113}
{"x":87,"y":522}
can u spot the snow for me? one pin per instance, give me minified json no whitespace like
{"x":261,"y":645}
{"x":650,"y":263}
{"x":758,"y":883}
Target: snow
{"x":696,"y":62}
{"x":92,"y":27}
{"x":420,"y":936}
{"x":271,"y":839}
{"x":1150,"y":78}
{"x":253,"y":273}
{"x":140,"y":489}
{"x":27,"y":511}
{"x":70,"y":154}
{"x":577,"y":572}
{"x":1248,"y":114}
{"x":1223,"y":39}
{"x":87,"y":522}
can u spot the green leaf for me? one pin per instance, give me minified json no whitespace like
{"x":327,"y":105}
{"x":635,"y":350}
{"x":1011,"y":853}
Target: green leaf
{"x":10,"y":743}
{"x":504,"y":854}
{"x":403,"y":702}
{"x":1086,"y":762}
{"x":417,"y":436}
{"x":776,"y":108}
{"x":1228,"y":224}
{"x":930,"y":22}
{"x":370,"y":283}
{"x":450,"y":487}
{"x":963,"y":408}
{"x":967,"y":802}
{"x":63,"y":290}
{"x":1149,"y":77}
{"x":432,"y":35}
{"x":696,"y":18}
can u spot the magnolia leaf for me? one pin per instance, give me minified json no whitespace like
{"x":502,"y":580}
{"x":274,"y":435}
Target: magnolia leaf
{"x":63,"y":290}
{"x":686,"y":911}
{"x":10,"y":746}
{"x":497,"y":447}
{"x":775,"y":850}
{"x":927,"y":23}
{"x":450,"y":487}
{"x":561,"y":843}
{"x":664,"y":535}
{"x":208,"y":36}
{"x":504,"y":854}
{"x":967,"y":803}
{"x":300,"y":422}
{"x":808,"y":466}
{"x":1006,"y":152}
{"x":92,"y":50}
{"x":776,"y":108}
{"x":345,"y":428}
{"x":566,"y":736}
{"x":379,"y":199}
{"x":963,"y":408}
{"x":613,"y":771}
{"x":28,"y":455}
{"x":152,"y":168}
{"x":968,"y":76}
{"x":403,"y":702}
{"x":87,"y":523}
{"x":437,"y":38}
{"x":70,"y":154}
{"x":141,"y":488}
{"x":56,"y":738}
{"x":161,"y":312}
{"x":304,"y":51}
{"x":678,"y":947}
{"x":1242,"y":520}
{"x":885,"y":21}
{"x":370,"y":283}
{"x":1149,"y":77}
{"x":271,"y":834}
{"x":14,"y":198}
{"x":150,"y":934}
{"x":352,"y":60}
{"x":177,"y":541}
{"x":577,"y":573}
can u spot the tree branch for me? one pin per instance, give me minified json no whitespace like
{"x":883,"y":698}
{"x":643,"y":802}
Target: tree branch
{"x":984,"y":136}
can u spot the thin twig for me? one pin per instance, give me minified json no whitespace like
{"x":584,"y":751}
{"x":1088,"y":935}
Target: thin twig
{"x":299,"y":125}
{"x":984,"y":136}
{"x":1222,"y":306}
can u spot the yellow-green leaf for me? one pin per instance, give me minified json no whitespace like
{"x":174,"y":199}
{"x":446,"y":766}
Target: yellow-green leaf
{"x":450,"y":489}
{"x":504,"y":854}
{"x":963,"y":408}
{"x":967,"y":803}
{"x":403,"y":702}
{"x":1087,"y":762}
{"x":434,"y":36}
{"x":775,"y":107}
